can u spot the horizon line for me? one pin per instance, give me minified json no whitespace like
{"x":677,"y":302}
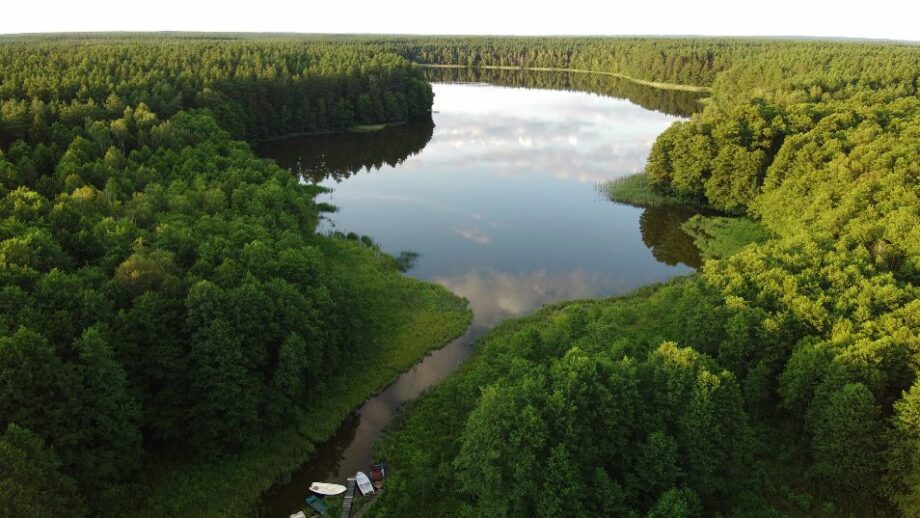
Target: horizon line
{"x":447,"y":35}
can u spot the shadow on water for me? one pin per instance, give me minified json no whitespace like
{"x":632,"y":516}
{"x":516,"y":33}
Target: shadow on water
{"x":315,"y":158}
{"x":671,"y":102}
{"x":663,"y":235}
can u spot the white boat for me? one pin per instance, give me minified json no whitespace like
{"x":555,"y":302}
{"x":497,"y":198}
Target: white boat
{"x":327,"y":489}
{"x":364,"y":483}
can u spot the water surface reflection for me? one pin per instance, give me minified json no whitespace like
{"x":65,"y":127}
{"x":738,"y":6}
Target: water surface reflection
{"x":338,"y":156}
{"x":672,"y":102}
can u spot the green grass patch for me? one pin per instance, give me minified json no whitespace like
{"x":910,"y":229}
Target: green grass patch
{"x":414,"y":317}
{"x":371,"y":128}
{"x":636,"y":190}
{"x":366,"y":128}
{"x":717,"y":237}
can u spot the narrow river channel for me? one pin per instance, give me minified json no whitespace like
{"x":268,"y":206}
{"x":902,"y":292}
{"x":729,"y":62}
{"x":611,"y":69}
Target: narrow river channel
{"x":498,"y":194}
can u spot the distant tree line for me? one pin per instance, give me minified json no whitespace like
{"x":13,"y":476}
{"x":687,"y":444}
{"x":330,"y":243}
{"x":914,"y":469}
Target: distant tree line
{"x":689,"y":61}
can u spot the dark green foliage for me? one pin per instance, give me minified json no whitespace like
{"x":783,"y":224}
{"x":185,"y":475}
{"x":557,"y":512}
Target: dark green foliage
{"x":902,"y":481}
{"x":847,"y":443}
{"x":680,"y":432}
{"x":38,"y":391}
{"x":674,"y":503}
{"x":686,"y":61}
{"x":406,"y":259}
{"x":778,"y":119}
{"x":30,"y":480}
{"x":109,"y":416}
{"x":255,"y":89}
{"x":162,"y":289}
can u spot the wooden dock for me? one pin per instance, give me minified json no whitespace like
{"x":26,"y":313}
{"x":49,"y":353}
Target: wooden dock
{"x":349,"y":498}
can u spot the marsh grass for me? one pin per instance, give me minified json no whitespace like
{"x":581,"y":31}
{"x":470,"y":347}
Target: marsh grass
{"x":367,"y":128}
{"x":717,"y":237}
{"x":636,"y":190}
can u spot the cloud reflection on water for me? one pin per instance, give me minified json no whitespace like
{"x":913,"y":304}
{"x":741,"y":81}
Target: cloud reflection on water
{"x":581,"y":140}
{"x":472,"y":235}
{"x":495,"y":296}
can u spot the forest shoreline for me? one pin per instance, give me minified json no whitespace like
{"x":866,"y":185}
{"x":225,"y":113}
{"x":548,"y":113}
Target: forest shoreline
{"x":358,"y":128}
{"x":643,"y":82}
{"x":716,"y":233}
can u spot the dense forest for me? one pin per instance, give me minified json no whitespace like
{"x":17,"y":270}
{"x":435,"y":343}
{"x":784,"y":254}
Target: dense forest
{"x":782,"y":380}
{"x":166,"y":300}
{"x":254,"y":88}
{"x":163,"y":292}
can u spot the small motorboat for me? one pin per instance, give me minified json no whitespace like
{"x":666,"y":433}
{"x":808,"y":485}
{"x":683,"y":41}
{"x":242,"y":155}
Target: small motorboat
{"x":327,"y":489}
{"x":364,"y":483}
{"x":377,"y":474}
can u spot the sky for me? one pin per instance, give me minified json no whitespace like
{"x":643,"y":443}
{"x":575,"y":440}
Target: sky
{"x":877,"y":19}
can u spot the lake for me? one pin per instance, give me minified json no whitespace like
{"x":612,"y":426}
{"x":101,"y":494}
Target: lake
{"x":498,"y":194}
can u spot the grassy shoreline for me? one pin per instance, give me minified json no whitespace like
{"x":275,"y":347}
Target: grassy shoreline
{"x":718,"y":237}
{"x":369,"y":128}
{"x":635,"y":190}
{"x":715,"y":233}
{"x":643,"y":82}
{"x":358,"y":128}
{"x":418,"y":317}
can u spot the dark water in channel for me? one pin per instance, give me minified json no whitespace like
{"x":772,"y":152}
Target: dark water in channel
{"x":498,"y":193}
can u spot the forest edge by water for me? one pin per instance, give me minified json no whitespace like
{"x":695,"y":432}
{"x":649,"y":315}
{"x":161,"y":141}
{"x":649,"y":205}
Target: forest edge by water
{"x":651,"y":84}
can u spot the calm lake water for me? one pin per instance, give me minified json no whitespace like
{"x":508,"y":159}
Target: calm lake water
{"x":498,"y":194}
